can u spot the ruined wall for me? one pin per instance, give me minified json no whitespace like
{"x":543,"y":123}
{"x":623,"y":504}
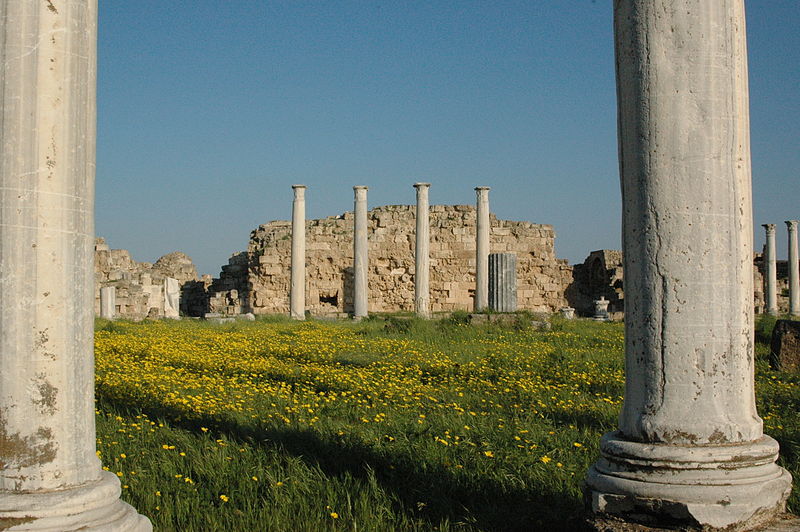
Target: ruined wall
{"x":599,"y":275}
{"x":541,"y":277}
{"x":140,"y":285}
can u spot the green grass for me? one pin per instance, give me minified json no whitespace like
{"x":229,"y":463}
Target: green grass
{"x":467,"y":428}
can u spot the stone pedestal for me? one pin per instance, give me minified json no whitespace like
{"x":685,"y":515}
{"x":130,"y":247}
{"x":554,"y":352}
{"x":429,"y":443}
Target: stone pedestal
{"x":794,"y":269}
{"x":601,"y":309}
{"x":690,"y":449}
{"x":771,"y":277}
{"x":503,"y":282}
{"x":50,"y":477}
{"x":108,"y":302}
{"x":422,"y":298}
{"x":360,"y":253}
{"x":297,"y":291}
{"x":482,"y":227}
{"x":568,"y":313}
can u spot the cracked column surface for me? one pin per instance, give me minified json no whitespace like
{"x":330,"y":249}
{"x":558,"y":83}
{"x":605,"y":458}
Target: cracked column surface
{"x":51,"y":478}
{"x":422,"y":298}
{"x":360,"y":253}
{"x":794,"y":267}
{"x":297,"y":290}
{"x":771,"y":277}
{"x":482,"y":226}
{"x":690,"y":448}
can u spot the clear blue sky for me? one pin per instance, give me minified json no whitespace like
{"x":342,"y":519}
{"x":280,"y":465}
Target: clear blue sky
{"x":208,"y":111}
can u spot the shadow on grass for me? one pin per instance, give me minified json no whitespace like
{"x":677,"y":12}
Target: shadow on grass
{"x":475,"y":503}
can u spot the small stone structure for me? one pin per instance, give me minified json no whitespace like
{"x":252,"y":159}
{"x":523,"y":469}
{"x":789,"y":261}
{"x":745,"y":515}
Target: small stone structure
{"x":785,"y":346}
{"x":140,"y":287}
{"x":503,"y":282}
{"x":600,"y":275}
{"x":601,"y":309}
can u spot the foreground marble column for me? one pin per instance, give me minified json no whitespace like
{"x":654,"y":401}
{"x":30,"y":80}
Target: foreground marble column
{"x":422,"y":301}
{"x":297,"y":290}
{"x":690,"y":450}
{"x":771,"y":277}
{"x":108,"y":302}
{"x":482,"y":249}
{"x":50,"y":477}
{"x":503,"y":282}
{"x":794,"y":274}
{"x":360,"y":253}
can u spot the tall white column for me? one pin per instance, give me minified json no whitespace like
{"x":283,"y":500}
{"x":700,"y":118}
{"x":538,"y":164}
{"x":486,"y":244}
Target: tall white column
{"x":360,"y":253}
{"x":482,"y":248}
{"x":50,"y":477}
{"x":422,"y":300}
{"x":794,"y":275}
{"x":297,"y":291}
{"x":690,"y":448}
{"x":771,"y":278}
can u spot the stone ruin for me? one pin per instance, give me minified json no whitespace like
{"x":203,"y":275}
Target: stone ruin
{"x":258,"y":280}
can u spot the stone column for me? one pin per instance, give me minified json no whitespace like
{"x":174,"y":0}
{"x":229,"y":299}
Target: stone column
{"x":297,"y":291}
{"x":360,"y":253}
{"x":503,"y":282}
{"x":771,"y":278}
{"x":794,"y":275}
{"x":108,"y":302}
{"x":482,"y":228}
{"x":690,"y":449}
{"x":50,"y":477}
{"x":422,"y":300}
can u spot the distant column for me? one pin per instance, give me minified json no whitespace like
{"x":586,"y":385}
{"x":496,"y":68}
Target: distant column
{"x":794,"y":275}
{"x":503,"y":282}
{"x":422,"y":303}
{"x":690,"y":450}
{"x":771,"y":278}
{"x":482,"y":227}
{"x":108,"y":302}
{"x":360,"y":253}
{"x":297,"y":291}
{"x":51,"y":477}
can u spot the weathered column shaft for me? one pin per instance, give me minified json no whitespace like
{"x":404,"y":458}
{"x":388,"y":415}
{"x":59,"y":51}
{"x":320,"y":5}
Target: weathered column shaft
{"x":502,"y":293}
{"x":482,"y":228}
{"x":360,"y":253}
{"x":690,"y":446}
{"x":794,"y":273}
{"x":771,"y":277}
{"x":108,"y":302}
{"x":422,"y":303}
{"x":297,"y":290}
{"x":50,"y":475}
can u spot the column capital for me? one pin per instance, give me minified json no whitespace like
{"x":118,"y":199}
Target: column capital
{"x":482,"y":188}
{"x":421,"y":185}
{"x":769,"y":227}
{"x":791,"y":224}
{"x":360,"y":187}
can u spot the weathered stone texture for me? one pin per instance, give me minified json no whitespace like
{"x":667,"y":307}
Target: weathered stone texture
{"x":140,"y":285}
{"x":329,"y":258}
{"x":785,"y":346}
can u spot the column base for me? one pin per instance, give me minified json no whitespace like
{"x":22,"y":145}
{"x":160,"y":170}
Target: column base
{"x":732,"y":487}
{"x":90,"y":507}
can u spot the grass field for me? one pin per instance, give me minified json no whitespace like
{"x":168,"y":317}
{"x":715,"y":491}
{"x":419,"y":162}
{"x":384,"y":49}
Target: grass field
{"x":388,"y":424}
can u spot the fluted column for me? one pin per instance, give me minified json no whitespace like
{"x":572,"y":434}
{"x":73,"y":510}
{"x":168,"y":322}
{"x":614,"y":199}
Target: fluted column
{"x":297,"y":291}
{"x":50,"y":477}
{"x":422,"y":303}
{"x":502,"y":293}
{"x":482,"y":227}
{"x":360,"y":253}
{"x":690,"y":448}
{"x":794,"y":275}
{"x":771,"y":277}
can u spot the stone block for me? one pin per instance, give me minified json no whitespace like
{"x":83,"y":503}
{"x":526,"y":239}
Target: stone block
{"x":785,"y":346}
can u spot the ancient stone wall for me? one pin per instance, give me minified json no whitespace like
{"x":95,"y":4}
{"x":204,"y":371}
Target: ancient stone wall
{"x":600,"y":275}
{"x":140,"y":285}
{"x":541,"y":277}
